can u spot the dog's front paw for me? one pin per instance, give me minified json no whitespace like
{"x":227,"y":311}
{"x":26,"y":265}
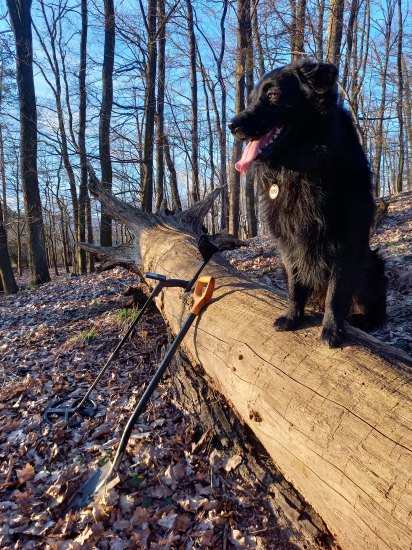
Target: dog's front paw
{"x":332,"y":336}
{"x":286,"y":323}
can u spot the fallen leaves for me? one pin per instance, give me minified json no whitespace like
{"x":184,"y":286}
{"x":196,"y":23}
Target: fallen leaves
{"x":25,"y":474}
{"x":169,"y":492}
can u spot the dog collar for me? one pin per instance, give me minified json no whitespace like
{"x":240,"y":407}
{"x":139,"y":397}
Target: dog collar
{"x":274,"y":191}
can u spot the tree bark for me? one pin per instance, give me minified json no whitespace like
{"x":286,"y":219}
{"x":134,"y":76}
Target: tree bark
{"x":82,"y":138}
{"x":174,"y":189}
{"x":21,"y":22}
{"x":251,"y":219}
{"x":319,"y":31}
{"x":399,"y":104}
{"x":298,"y":29}
{"x":161,"y":62}
{"x":408,"y":120}
{"x":383,"y":69}
{"x":194,"y":159}
{"x":336,"y":422}
{"x":7,"y":280}
{"x":150,"y":109}
{"x":105,"y":116}
{"x":335,"y":28}
{"x":258,"y":44}
{"x":243,"y":15}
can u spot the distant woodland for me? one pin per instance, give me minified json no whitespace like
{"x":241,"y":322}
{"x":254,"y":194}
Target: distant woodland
{"x":144,"y":90}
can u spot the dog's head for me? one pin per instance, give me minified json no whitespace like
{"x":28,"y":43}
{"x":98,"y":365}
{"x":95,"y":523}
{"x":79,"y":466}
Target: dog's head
{"x":282,"y":103}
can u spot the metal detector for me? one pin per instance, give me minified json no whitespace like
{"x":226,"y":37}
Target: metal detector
{"x":74,"y":410}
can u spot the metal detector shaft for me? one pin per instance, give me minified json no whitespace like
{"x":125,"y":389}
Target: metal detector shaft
{"x":163,"y":282}
{"x":152,"y":296}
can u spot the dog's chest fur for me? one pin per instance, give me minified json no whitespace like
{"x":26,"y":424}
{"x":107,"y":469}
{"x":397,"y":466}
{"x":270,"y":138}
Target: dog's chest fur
{"x":296,"y":218}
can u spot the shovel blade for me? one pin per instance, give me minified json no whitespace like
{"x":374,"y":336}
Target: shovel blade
{"x":86,"y":493}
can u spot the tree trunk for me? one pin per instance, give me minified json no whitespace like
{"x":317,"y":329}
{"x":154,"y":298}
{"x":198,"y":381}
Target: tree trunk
{"x":161,"y":40}
{"x":211,"y":145}
{"x":174,"y":190}
{"x":399,"y":105}
{"x":298,"y":30}
{"x":90,"y":239}
{"x":21,"y":22}
{"x":258,"y":44}
{"x":8,"y":282}
{"x":150,"y":108}
{"x":319,"y":30}
{"x":224,"y":209}
{"x":335,"y":28}
{"x":354,"y":11}
{"x":336,"y":422}
{"x":408,"y":120}
{"x":105,"y":116}
{"x":243,"y":15}
{"x":3,"y":172}
{"x":194,"y":159}
{"x":251,"y":219}
{"x":383,"y":70}
{"x":82,"y":138}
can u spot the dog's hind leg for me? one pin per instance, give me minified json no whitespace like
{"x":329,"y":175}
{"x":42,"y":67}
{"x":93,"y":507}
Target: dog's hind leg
{"x":297,"y":296}
{"x":338,"y":299}
{"x":371,"y":298}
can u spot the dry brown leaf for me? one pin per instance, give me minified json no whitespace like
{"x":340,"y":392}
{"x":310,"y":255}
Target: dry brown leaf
{"x":26,"y":473}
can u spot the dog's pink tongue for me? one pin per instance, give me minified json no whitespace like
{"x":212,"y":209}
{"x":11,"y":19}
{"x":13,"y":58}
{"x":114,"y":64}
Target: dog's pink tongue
{"x":249,"y":155}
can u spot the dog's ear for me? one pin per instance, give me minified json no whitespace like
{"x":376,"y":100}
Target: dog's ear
{"x":326,"y":75}
{"x":320,"y":76}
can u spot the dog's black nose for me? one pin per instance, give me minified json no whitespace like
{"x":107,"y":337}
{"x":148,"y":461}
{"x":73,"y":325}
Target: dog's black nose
{"x":232,"y":126}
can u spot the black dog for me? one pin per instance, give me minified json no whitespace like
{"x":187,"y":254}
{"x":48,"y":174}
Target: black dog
{"x":316,"y":183}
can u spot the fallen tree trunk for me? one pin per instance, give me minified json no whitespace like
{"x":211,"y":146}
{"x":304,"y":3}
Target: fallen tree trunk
{"x":336,"y":422}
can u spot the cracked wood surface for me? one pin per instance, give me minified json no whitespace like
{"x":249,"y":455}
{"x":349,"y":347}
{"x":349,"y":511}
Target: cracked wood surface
{"x":336,"y":422}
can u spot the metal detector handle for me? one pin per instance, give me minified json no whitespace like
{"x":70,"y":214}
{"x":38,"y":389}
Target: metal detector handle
{"x":167,"y":283}
{"x":201,"y":295}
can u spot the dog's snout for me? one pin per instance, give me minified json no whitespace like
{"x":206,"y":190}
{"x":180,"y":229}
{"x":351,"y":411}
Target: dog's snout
{"x":232,"y":127}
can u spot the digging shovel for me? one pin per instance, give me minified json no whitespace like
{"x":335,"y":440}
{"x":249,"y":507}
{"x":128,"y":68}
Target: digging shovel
{"x":101,"y":479}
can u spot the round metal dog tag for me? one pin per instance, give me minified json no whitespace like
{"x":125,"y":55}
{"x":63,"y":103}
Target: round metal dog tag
{"x":274,"y":191}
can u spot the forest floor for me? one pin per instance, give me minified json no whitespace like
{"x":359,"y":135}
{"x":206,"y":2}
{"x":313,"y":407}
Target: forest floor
{"x":173,"y":494}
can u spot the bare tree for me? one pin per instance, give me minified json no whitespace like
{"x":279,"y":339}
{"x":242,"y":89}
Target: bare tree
{"x":82,"y":212}
{"x":7,"y":280}
{"x":251,"y":220}
{"x":20,"y":15}
{"x":297,"y":33}
{"x":161,"y":40}
{"x":243,"y":15}
{"x":383,"y":63}
{"x":335,"y":29}
{"x":105,"y":116}
{"x":194,"y":159}
{"x":399,"y":105}
{"x":150,"y":108}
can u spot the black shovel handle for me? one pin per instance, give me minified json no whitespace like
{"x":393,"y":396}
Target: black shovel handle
{"x":202,"y":296}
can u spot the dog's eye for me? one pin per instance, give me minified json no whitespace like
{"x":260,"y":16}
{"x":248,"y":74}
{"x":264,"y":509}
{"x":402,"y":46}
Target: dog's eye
{"x":272,"y":96}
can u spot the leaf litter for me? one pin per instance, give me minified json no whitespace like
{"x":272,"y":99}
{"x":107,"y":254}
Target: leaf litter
{"x":172,"y":493}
